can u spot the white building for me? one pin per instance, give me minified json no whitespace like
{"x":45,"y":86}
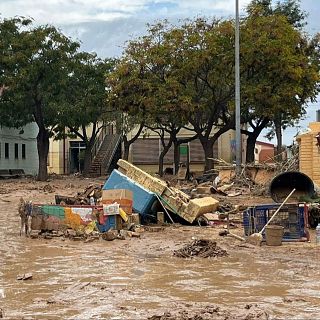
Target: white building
{"x":18,"y":148}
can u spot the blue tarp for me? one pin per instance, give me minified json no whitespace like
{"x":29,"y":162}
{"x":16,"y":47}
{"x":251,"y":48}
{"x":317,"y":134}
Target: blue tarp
{"x":142,"y":198}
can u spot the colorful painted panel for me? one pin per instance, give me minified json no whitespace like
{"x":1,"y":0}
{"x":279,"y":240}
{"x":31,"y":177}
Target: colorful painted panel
{"x":83,"y":218}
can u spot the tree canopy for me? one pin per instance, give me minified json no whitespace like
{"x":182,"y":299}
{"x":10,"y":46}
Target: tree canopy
{"x":145,"y":84}
{"x":174,"y":77}
{"x":280,"y":67}
{"x":35,"y":66}
{"x":46,"y":79}
{"x":83,"y":111}
{"x":184,"y":75}
{"x":177,"y":75}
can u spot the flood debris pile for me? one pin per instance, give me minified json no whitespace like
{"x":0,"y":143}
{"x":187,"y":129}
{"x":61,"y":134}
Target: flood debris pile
{"x":131,"y":197}
{"x":171,"y":198}
{"x":90,"y":193}
{"x":254,"y":179}
{"x":88,"y":223}
{"x":200,"y":248}
{"x":25,"y":276}
{"x":277,"y":180}
{"x":109,"y":216}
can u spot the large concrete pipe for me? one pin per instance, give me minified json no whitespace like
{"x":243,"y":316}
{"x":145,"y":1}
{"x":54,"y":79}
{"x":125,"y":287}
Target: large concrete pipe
{"x":283,"y":183}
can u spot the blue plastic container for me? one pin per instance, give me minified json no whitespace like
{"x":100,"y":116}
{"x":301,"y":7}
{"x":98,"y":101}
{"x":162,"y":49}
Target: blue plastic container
{"x":290,"y":216}
{"x":142,"y":198}
{"x":110,"y":223}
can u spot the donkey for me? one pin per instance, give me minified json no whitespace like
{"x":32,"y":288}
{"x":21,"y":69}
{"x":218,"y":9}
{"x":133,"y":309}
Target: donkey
{"x":24,"y":213}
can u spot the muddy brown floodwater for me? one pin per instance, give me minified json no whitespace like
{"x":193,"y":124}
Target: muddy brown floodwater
{"x":140,"y":278}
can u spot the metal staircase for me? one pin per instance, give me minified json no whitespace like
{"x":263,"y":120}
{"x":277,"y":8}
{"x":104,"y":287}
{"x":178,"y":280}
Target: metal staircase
{"x":103,"y":152}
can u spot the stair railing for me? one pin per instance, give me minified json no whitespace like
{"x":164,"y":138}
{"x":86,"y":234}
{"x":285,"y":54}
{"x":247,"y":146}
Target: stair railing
{"x":99,"y":140}
{"x":109,"y":154}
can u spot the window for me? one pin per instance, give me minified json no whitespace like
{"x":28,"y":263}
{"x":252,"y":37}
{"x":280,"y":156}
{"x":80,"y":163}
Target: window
{"x":77,"y":144}
{"x":16,"y":151}
{"x":6,"y":150}
{"x":23,"y":153}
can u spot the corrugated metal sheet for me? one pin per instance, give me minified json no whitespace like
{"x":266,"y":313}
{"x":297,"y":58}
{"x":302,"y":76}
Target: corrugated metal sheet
{"x":196,"y":151}
{"x":147,"y":151}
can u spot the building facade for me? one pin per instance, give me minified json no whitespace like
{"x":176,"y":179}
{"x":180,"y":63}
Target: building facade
{"x":263,"y":152}
{"x":65,"y":156}
{"x":18,"y":148}
{"x":309,"y":152}
{"x":145,"y":152}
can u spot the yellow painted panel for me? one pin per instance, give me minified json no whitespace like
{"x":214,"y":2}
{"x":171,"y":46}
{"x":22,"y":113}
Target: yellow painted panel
{"x":71,"y":219}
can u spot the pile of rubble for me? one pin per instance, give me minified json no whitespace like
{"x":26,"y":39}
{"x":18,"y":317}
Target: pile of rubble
{"x":110,"y":213}
{"x":82,"y":198}
{"x":143,"y":195}
{"x":200,"y":248}
{"x":171,"y":198}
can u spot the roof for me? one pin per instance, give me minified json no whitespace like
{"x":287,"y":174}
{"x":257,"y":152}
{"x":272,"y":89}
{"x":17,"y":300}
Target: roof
{"x":267,"y":144}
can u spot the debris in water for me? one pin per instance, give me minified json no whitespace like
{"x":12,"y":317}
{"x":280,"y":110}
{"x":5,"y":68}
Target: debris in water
{"x":110,"y":235}
{"x":214,"y":312}
{"x":48,"y":188}
{"x":26,"y":276}
{"x":201,"y":248}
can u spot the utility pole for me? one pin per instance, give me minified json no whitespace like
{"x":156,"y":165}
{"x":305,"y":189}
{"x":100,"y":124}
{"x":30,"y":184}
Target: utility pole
{"x":237,"y":92}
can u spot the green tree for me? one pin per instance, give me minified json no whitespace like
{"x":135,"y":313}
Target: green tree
{"x":181,"y":75}
{"x":279,"y":68}
{"x":145,"y":86}
{"x":84,"y":112}
{"x":208,"y":74}
{"x":127,"y":97}
{"x":35,"y":65}
{"x":289,"y":8}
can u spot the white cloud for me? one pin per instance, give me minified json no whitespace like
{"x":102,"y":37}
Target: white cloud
{"x":224,"y":5}
{"x":105,"y":25}
{"x":71,"y":11}
{"x":66,"y":12}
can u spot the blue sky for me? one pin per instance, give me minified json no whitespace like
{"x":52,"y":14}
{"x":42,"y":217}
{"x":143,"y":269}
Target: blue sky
{"x":104,"y":26}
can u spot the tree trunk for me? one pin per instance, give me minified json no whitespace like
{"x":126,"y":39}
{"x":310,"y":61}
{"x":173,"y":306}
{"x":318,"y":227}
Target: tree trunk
{"x":207,"y":145}
{"x":252,"y":138}
{"x":176,"y":156}
{"x":162,"y":155}
{"x":127,"y":143}
{"x":126,"y":149}
{"x":161,"y":160}
{"x":43,"y":150}
{"x":208,"y":142}
{"x":89,"y":143}
{"x":251,"y":143}
{"x":278,"y":131}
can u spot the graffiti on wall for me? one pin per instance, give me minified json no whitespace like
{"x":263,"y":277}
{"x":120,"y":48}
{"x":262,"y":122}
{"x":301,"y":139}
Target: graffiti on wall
{"x":82,"y":218}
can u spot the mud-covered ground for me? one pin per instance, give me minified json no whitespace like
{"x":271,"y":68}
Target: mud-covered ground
{"x":139,"y":278}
